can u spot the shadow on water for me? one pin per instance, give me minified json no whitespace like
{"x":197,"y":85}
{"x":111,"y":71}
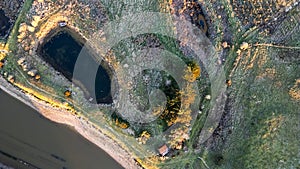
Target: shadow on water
{"x":4,"y":24}
{"x":62,"y":50}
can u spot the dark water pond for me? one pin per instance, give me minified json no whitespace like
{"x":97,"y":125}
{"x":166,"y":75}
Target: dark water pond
{"x":29,"y":141}
{"x":62,"y":51}
{"x":4,"y":24}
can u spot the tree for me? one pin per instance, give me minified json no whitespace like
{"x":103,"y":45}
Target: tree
{"x":188,"y":94}
{"x":193,"y":72}
{"x":144,"y":137}
{"x":67,"y":93}
{"x":121,"y":124}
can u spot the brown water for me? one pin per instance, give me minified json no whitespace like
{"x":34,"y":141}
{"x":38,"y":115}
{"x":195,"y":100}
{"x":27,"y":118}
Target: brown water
{"x":28,"y":140}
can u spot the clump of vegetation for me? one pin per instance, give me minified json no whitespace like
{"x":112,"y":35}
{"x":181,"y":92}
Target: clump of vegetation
{"x":144,"y":136}
{"x":295,"y":90}
{"x":193,"y":72}
{"x":123,"y":124}
{"x":151,"y":79}
{"x":1,"y":65}
{"x":67,"y":93}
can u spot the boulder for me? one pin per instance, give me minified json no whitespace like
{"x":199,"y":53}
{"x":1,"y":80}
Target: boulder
{"x":32,"y":72}
{"x":225,"y":45}
{"x":21,"y":61}
{"x":244,"y":46}
{"x":11,"y":78}
{"x":25,"y":66}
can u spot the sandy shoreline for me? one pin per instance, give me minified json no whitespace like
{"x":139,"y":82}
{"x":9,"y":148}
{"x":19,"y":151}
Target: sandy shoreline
{"x":81,"y":126}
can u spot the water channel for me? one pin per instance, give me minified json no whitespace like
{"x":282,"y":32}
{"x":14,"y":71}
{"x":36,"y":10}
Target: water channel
{"x":29,"y":141}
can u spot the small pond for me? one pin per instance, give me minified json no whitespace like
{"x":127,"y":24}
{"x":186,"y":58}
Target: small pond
{"x":61,"y":52}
